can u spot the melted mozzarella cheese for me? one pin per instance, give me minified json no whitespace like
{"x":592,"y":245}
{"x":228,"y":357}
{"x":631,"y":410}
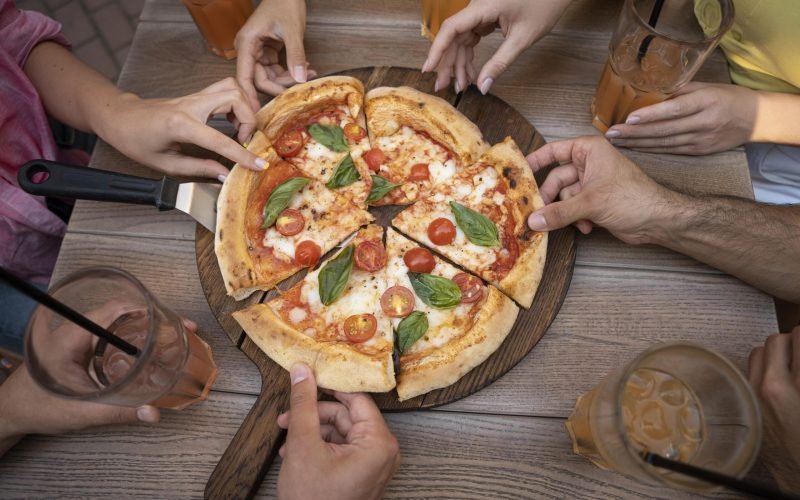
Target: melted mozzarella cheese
{"x":309,"y":293}
{"x":461,"y":249}
{"x":297,"y":315}
{"x":483,"y":182}
{"x":440,"y":172}
{"x":394,"y":142}
{"x":317,"y":152}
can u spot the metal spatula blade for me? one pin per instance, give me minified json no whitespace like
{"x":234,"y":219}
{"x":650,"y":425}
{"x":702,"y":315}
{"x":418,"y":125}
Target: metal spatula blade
{"x":199,"y":199}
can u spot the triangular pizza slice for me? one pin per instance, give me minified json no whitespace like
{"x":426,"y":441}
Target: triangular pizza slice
{"x":447,"y":321}
{"x":332,"y":320}
{"x":478,"y":220}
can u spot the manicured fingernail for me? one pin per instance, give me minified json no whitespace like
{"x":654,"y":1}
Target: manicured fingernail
{"x":613,"y":133}
{"x":436,"y":86}
{"x":300,"y":73}
{"x":221,"y":178}
{"x":457,"y":86}
{"x":298,"y":373}
{"x":147,"y":414}
{"x":633,"y":120}
{"x":537,"y":222}
{"x":425,"y":65}
{"x":261,"y":163}
{"x":486,"y":84}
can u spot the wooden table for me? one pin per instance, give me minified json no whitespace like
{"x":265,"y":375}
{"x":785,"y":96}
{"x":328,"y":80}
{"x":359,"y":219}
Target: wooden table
{"x":506,"y":441}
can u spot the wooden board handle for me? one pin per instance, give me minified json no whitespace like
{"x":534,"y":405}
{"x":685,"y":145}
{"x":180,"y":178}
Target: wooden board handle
{"x":252,"y":451}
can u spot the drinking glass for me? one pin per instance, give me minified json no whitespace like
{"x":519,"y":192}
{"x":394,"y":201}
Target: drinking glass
{"x":434,"y":12}
{"x":678,"y":400}
{"x":219,"y":21}
{"x":657,"y":47}
{"x":174,"y":368}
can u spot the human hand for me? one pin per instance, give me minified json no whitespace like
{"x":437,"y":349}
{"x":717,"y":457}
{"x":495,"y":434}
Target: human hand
{"x":775,"y":377}
{"x":596,"y":184}
{"x":340,"y":450}
{"x":522,"y":22}
{"x":151,"y":131}
{"x":700,"y":118}
{"x":273,"y":25}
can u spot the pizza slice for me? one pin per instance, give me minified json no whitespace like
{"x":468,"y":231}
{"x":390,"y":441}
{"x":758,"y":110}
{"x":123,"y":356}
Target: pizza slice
{"x":332,"y":320}
{"x":274,"y":223}
{"x":319,"y":127}
{"x":447,"y":321}
{"x":418,"y":141}
{"x":478,"y":221}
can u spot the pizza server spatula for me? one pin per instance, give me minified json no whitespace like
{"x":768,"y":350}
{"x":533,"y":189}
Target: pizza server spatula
{"x":50,"y":178}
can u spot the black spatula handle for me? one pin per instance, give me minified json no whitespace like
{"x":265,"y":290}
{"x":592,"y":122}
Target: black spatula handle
{"x":50,"y":178}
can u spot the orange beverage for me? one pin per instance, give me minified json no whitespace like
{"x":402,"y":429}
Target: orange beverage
{"x":219,"y":21}
{"x":434,"y":12}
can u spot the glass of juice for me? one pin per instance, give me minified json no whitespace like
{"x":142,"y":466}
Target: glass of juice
{"x":174,"y":369}
{"x":219,"y":21}
{"x":677,"y":400}
{"x":657,"y":47}
{"x":434,"y":12}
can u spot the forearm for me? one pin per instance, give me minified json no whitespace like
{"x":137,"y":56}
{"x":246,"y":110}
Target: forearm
{"x":759,"y":244}
{"x":71,"y":91}
{"x":776,"y":118}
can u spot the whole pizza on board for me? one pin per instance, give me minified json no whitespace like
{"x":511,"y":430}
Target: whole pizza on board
{"x":415,"y":306}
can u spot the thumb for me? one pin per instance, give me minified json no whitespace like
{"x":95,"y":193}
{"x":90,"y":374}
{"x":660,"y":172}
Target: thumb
{"x":296,"y":58}
{"x":304,"y":429}
{"x":559,"y":214}
{"x":508,"y":51}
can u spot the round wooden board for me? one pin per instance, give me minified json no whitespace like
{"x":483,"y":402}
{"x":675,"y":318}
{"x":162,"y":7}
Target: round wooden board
{"x":496,"y":119}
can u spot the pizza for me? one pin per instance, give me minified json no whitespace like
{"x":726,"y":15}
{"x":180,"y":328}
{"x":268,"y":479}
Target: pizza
{"x":412,"y":307}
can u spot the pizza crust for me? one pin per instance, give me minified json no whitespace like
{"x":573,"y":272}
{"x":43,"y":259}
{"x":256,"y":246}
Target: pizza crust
{"x":336,"y":366}
{"x":446,"y":365}
{"x":390,"y":108}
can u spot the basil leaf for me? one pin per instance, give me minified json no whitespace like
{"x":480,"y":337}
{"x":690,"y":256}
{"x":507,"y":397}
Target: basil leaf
{"x":380,"y":188}
{"x":410,"y":329}
{"x":334,"y":276}
{"x":330,"y":136}
{"x":280,"y":197}
{"x":478,"y":228}
{"x":435,"y":291}
{"x":344,"y":175}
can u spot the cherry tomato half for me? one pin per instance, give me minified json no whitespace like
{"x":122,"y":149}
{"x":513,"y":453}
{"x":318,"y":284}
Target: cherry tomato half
{"x":419,"y":260}
{"x":360,"y":327}
{"x":290,"y":222}
{"x":354,"y":132}
{"x":472,"y":288}
{"x":370,"y":256}
{"x":442,"y":231}
{"x":290,"y":143}
{"x":398,"y":302}
{"x":419,"y":172}
{"x":374,"y":158}
{"x":307,"y":253}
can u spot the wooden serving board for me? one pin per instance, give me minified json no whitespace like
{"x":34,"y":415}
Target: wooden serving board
{"x":250,"y":454}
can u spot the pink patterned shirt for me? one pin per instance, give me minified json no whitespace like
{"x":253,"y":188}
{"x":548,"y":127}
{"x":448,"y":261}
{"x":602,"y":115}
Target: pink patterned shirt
{"x":30,"y":235}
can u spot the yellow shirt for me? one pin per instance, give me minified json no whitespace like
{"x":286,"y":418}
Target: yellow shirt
{"x":763,"y":45}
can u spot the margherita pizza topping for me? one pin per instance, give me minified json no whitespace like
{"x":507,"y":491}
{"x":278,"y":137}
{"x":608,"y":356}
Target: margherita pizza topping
{"x":290,"y":143}
{"x":411,"y":329}
{"x":307,"y":253}
{"x":330,"y":136}
{"x":280,"y":197}
{"x":471,"y":287}
{"x":419,"y":260}
{"x":419,"y":172}
{"x":354,"y":132}
{"x":380,"y":188}
{"x":374,"y":158}
{"x":435,"y":291}
{"x":360,"y":327}
{"x":442,"y":231}
{"x":397,"y":302}
{"x":344,"y":175}
{"x":290,"y":222}
{"x":478,"y":228}
{"x":370,"y":256}
{"x":334,"y":276}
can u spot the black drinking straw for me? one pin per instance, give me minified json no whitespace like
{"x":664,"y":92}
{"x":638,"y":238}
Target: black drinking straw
{"x":652,"y":22}
{"x":67,"y":312}
{"x":712,"y":477}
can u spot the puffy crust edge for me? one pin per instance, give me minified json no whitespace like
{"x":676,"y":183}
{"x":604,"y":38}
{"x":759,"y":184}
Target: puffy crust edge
{"x":389,"y":108}
{"x":335,"y":366}
{"x":447,"y":365}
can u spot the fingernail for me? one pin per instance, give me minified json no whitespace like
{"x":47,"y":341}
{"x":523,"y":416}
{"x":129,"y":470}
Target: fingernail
{"x":298,"y":373}
{"x":486,"y":85}
{"x":633,"y":120}
{"x":261,"y":163}
{"x":300,"y":73}
{"x":436,"y":86}
{"x":147,"y":414}
{"x":537,"y":222}
{"x":221,"y":178}
{"x":457,"y":86}
{"x":613,"y":133}
{"x":425,"y":65}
